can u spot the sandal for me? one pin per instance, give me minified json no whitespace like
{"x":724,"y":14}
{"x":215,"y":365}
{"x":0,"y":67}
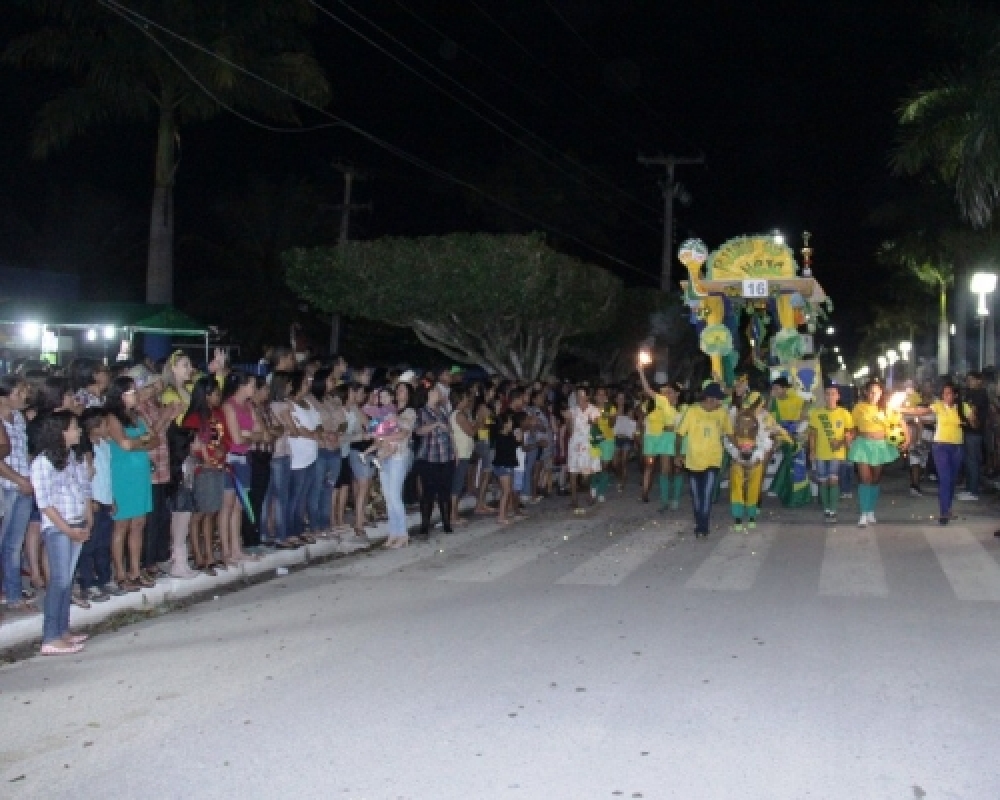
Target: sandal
{"x":306,"y":538}
{"x":79,"y":600}
{"x":61,"y":649}
{"x":143,"y":581}
{"x":24,"y":607}
{"x":208,"y":569}
{"x":76,"y":638}
{"x":360,"y":535}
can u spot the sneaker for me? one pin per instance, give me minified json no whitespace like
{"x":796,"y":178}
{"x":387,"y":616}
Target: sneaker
{"x":966,"y":496}
{"x":114,"y":590}
{"x":833,"y":516}
{"x":752,"y":525}
{"x":863,"y":522}
{"x":601,"y":498}
{"x":675,"y":505}
{"x":847,"y":495}
{"x":915,"y":492}
{"x":96,"y":595}
{"x":79,"y":599}
{"x":737,"y":527}
{"x":871,"y":518}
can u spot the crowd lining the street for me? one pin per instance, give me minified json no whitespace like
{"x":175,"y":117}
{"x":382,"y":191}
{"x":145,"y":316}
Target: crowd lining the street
{"x":113,"y":477}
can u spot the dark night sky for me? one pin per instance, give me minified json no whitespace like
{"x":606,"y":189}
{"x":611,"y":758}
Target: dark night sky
{"x":791,"y":102}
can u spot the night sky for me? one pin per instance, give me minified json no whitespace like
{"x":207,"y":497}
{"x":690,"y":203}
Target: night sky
{"x":792,"y":103}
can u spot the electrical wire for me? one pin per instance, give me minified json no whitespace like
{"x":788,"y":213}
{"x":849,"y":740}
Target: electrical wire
{"x":559,"y":79}
{"x":212,"y":95}
{"x":138,"y":20}
{"x":597,"y":56}
{"x":492,"y":123}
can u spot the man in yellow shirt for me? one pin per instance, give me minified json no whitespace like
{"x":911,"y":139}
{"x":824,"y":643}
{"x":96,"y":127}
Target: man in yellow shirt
{"x":706,"y":426}
{"x":831,"y":429}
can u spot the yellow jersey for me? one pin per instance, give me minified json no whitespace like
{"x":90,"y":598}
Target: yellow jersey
{"x":608,"y":412}
{"x":170,"y":396}
{"x":949,"y":423}
{"x":662,"y":416}
{"x":830,"y":424}
{"x":870,"y":419}
{"x":705,"y":431}
{"x":789,"y":407}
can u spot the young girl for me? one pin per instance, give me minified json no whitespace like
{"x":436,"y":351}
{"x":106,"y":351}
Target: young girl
{"x":328,"y":459}
{"x":580,"y":461}
{"x":395,"y":457}
{"x":94,"y":568}
{"x":131,"y":481}
{"x":463,"y":429}
{"x":176,"y":396}
{"x":242,"y":430}
{"x":274,"y":515}
{"x":485,"y":417}
{"x":659,"y":444}
{"x":505,"y":464}
{"x":870,"y":450}
{"x":63,"y":497}
{"x":625,"y":428}
{"x":209,"y":448}
{"x":17,"y":497}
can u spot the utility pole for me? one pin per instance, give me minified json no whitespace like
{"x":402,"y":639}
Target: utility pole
{"x":669,"y":186}
{"x":350,"y":174}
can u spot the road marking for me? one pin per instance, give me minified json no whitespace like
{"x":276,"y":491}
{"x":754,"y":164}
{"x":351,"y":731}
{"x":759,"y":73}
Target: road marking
{"x":615,"y":563}
{"x":511,"y":557}
{"x":972,"y":572}
{"x":734,"y":564}
{"x":852,"y":564}
{"x":383,"y":563}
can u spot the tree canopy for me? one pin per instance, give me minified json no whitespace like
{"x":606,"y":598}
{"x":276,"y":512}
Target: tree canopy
{"x":504,"y":302}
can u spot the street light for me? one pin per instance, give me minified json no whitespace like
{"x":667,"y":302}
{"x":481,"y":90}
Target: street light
{"x":982,"y":284}
{"x":778,"y":238}
{"x":904,"y":349}
{"x":30,"y":331}
{"x":882,"y":362}
{"x":109,"y":332}
{"x":92,"y":335}
{"x":892,"y":357}
{"x":830,"y":331}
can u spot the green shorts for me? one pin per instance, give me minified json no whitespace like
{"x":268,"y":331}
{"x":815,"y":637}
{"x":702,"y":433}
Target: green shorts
{"x":660,"y":444}
{"x":607,"y":448}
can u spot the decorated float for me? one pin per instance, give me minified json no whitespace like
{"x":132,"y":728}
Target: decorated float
{"x":755,"y":308}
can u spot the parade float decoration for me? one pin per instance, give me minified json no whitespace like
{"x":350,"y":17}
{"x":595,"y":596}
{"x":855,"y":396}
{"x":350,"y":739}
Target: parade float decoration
{"x":750,"y":302}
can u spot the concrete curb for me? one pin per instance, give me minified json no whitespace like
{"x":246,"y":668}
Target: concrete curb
{"x":17,"y":633}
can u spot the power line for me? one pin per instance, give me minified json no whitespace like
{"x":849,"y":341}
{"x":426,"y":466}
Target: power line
{"x":547,"y":68}
{"x":526,"y":131}
{"x":212,"y":95}
{"x":138,"y":20}
{"x":497,"y":73}
{"x":587,"y":46}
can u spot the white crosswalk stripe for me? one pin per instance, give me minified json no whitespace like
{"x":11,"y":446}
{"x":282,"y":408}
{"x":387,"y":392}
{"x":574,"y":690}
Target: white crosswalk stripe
{"x":972,"y":572}
{"x":852,"y":564}
{"x":615,"y":563}
{"x":734,"y":563}
{"x":511,"y":557}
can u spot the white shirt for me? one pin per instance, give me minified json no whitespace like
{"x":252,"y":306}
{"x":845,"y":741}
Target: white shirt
{"x":304,"y":451}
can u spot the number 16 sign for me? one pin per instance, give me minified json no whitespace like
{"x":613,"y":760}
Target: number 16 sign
{"x":755,"y":288}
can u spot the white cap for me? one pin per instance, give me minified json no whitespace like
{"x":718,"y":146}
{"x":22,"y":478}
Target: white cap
{"x":408,"y":377}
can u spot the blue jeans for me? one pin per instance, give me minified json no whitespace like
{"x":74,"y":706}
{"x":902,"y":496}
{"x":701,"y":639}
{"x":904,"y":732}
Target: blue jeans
{"x":277,"y":499}
{"x":973,"y":461}
{"x":298,"y":496}
{"x":94,"y":568}
{"x":702,"y":486}
{"x":392,"y":475}
{"x":63,"y":553}
{"x":530,"y":457}
{"x":948,"y":458}
{"x":327,"y":470}
{"x":16,"y":514}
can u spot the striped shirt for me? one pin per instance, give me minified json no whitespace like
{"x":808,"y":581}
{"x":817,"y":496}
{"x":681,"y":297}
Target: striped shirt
{"x":17,"y":432}
{"x":67,"y":491}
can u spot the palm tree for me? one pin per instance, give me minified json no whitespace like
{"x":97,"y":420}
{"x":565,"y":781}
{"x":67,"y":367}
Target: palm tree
{"x":125,"y":70}
{"x":951,"y":127}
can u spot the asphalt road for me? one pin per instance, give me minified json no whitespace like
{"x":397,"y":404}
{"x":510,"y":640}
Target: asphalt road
{"x":607,"y":656}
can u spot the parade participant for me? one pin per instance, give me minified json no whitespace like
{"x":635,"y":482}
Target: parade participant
{"x":605,"y":438}
{"x":625,"y":436}
{"x":830,"y":433}
{"x":919,"y":436}
{"x":953,"y":418}
{"x":659,"y":443}
{"x":580,"y":461}
{"x":750,"y":449}
{"x":870,"y":450}
{"x":706,"y":426}
{"x":791,"y":481}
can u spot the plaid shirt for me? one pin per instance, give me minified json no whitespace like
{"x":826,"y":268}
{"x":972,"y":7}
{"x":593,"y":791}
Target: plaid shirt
{"x":437,"y":446}
{"x":158,"y":456}
{"x":17,"y":432}
{"x":67,"y":491}
{"x":269,"y":421}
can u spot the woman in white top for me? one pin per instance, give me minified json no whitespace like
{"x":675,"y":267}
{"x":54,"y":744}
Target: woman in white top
{"x":303,"y":444}
{"x":463,"y":432}
{"x":580,"y":460}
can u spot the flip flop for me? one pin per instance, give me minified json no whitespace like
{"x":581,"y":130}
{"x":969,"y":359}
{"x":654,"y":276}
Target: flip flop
{"x":61,"y":650}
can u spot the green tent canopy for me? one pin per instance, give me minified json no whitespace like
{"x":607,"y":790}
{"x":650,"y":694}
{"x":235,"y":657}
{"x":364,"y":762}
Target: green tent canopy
{"x":133,"y":317}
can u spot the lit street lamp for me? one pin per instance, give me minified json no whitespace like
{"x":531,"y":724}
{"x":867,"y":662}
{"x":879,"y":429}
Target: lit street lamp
{"x":882,"y":362}
{"x":892,"y":357}
{"x":982,"y":284}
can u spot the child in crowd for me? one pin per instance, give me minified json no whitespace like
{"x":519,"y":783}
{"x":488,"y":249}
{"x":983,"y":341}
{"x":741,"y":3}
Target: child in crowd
{"x":63,"y":496}
{"x":94,"y":568}
{"x":209,"y":450}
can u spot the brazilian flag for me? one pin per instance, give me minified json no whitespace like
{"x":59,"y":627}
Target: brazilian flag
{"x":791,"y":481}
